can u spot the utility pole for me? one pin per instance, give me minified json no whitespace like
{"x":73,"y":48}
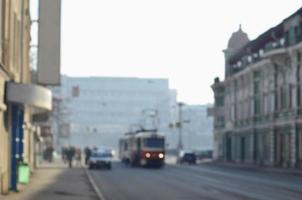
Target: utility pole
{"x":150,"y":114}
{"x":180,"y":142}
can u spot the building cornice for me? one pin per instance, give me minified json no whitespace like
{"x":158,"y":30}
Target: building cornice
{"x":249,"y":69}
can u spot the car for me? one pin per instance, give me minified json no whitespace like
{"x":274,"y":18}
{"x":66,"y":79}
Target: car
{"x":100,"y":159}
{"x":189,"y":158}
{"x":204,"y":154}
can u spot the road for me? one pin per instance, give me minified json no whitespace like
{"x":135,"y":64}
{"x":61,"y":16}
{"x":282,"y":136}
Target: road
{"x":186,"y":182}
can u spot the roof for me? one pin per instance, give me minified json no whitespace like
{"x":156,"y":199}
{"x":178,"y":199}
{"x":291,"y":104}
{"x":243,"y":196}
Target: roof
{"x":270,"y":35}
{"x":255,"y":45}
{"x":148,"y":134}
{"x":141,"y":133}
{"x":238,"y":39}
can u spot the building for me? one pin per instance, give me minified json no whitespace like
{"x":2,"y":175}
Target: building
{"x":197,"y":128}
{"x":257,"y":111}
{"x":99,"y":110}
{"x":20,"y":98}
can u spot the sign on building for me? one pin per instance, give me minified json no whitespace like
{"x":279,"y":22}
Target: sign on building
{"x":75,"y":91}
{"x":46,"y":131}
{"x":64,"y":130}
{"x":49,"y":49}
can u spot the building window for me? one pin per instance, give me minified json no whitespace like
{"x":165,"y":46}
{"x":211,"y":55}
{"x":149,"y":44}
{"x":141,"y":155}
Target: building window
{"x":256,"y":87}
{"x":298,"y":75}
{"x":257,"y":98}
{"x":290,"y":88}
{"x":292,"y":35}
{"x":282,"y":41}
{"x":297,"y":33}
{"x":219,"y":101}
{"x":75,"y":91}
{"x":299,"y":96}
{"x":261,"y":52}
{"x":257,"y":105}
{"x":220,"y":122}
{"x":276,"y":92}
{"x":298,"y":79}
{"x":283,"y":98}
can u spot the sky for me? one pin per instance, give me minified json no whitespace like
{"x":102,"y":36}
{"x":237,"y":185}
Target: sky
{"x":181,"y":40}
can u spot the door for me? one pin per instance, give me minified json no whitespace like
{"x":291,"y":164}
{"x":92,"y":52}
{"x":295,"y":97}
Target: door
{"x":228,"y":148}
{"x":281,"y":149}
{"x":299,"y":148}
{"x":16,"y":143}
{"x":242,"y":149}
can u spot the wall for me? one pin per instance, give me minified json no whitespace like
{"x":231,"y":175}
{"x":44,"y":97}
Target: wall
{"x":14,"y":66}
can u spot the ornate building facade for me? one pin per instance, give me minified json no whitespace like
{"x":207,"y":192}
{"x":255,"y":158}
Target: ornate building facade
{"x":258,"y":107}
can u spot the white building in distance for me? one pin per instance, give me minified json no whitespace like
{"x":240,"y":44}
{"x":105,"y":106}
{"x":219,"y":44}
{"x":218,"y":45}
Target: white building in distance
{"x":99,"y":110}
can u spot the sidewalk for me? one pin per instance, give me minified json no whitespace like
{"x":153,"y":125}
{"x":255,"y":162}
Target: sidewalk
{"x":254,"y":167}
{"x":56,"y":182}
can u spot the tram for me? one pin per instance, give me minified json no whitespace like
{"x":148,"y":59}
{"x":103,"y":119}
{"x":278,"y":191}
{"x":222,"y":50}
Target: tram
{"x":142,"y":148}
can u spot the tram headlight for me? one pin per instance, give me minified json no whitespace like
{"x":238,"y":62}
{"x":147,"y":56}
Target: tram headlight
{"x":161,"y":155}
{"x":148,"y":155}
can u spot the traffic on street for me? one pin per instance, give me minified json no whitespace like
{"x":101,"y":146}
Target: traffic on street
{"x":185,"y":182}
{"x":150,"y":100}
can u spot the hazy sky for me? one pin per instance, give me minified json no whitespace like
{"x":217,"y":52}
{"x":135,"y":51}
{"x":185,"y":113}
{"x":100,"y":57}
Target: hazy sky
{"x":181,"y":40}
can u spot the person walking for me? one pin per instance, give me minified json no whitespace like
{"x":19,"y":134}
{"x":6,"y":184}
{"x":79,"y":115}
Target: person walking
{"x":78,"y":156}
{"x":49,"y":153}
{"x":64,"y":153}
{"x":88,"y":153}
{"x":70,"y":154}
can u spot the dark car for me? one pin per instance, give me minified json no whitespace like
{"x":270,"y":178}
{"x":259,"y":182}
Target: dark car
{"x":205,"y":154}
{"x":189,"y":158}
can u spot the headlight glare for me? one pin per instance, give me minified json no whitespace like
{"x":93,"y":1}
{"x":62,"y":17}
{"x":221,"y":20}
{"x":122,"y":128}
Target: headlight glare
{"x":161,"y":155}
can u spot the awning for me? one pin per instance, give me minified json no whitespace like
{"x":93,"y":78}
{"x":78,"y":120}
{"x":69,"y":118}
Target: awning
{"x":29,"y":94}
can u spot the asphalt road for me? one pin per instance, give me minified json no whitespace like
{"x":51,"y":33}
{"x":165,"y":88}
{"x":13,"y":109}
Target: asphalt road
{"x":195,"y":182}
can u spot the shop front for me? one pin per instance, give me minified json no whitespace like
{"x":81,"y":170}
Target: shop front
{"x":20,"y":99}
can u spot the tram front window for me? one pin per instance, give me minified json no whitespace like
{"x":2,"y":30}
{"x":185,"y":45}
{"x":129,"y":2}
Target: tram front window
{"x":154,"y":143}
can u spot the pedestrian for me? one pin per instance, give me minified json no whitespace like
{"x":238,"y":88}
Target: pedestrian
{"x":88,"y":153}
{"x":70,"y":155}
{"x":78,"y":156}
{"x":48,"y":154}
{"x":63,"y":154}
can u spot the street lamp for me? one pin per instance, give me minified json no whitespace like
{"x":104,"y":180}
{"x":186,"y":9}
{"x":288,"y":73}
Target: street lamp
{"x":179,"y":126}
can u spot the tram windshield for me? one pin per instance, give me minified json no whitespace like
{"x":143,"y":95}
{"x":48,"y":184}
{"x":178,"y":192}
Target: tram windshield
{"x":154,"y":142}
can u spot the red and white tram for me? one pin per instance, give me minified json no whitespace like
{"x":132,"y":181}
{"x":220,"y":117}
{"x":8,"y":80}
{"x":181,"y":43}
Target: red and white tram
{"x":142,"y":148}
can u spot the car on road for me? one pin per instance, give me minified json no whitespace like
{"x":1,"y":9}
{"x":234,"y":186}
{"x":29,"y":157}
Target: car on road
{"x":188,"y":157}
{"x":100,"y":159}
{"x":204,"y":154}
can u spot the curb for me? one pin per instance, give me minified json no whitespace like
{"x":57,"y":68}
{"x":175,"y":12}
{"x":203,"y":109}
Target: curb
{"x":94,"y":185}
